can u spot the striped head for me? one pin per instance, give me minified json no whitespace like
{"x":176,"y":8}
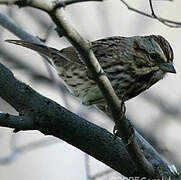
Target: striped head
{"x":149,"y":59}
{"x":152,"y":54}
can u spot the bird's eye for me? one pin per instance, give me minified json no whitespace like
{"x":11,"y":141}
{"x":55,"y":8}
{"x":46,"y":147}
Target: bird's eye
{"x":154,"y":56}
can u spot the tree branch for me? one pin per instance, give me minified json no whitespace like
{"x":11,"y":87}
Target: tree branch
{"x":17,"y":122}
{"x":63,"y":3}
{"x":167,"y":22}
{"x":49,"y":125}
{"x":43,"y":114}
{"x":113,"y":102}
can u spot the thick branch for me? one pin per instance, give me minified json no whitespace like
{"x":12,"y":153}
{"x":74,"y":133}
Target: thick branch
{"x":50,"y":118}
{"x":46,"y":122}
{"x":84,"y":49}
{"x":55,"y":120}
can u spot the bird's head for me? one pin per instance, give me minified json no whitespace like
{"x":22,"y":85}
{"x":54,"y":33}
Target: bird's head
{"x":152,"y":54}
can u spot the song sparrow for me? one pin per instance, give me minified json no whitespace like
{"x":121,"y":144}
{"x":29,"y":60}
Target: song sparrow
{"x":132,"y":64}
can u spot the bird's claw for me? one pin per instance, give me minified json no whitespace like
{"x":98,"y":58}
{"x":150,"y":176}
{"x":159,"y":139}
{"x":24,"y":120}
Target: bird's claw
{"x":115,"y":132}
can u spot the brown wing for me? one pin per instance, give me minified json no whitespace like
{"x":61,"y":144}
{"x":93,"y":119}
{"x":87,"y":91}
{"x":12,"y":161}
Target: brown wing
{"x":73,"y":71}
{"x":71,"y":54}
{"x":104,"y":49}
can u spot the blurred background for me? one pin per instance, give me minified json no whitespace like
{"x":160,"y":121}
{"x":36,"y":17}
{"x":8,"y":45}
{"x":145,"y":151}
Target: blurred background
{"x":32,"y":156}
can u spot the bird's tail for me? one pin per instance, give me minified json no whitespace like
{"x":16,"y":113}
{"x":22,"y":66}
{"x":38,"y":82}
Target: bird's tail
{"x":36,"y":47}
{"x":54,"y":56}
{"x":42,"y":49}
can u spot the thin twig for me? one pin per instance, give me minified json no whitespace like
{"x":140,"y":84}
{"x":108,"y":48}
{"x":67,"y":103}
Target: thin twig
{"x":167,"y":22}
{"x":151,"y":7}
{"x":144,"y":166}
{"x":125,"y":128}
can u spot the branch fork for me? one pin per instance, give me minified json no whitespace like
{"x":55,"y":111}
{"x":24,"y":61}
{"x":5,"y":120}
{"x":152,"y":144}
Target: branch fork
{"x":132,"y":140}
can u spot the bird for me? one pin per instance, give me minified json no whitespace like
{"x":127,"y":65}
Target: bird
{"x":132,"y":64}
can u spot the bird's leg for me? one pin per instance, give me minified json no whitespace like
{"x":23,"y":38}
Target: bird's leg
{"x":115,"y":132}
{"x":123,"y":111}
{"x":128,"y":135}
{"x":59,"y":32}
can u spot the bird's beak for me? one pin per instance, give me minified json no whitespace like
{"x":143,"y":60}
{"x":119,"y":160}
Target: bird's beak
{"x":168,"y":67}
